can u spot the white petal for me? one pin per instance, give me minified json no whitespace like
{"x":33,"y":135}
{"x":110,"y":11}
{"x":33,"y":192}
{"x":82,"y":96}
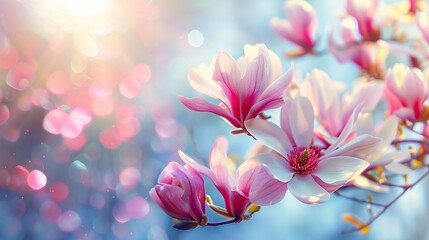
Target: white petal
{"x":339,"y":170}
{"x":276,"y":165}
{"x":301,"y":121}
{"x":399,"y":168}
{"x":269,"y":134}
{"x":363,"y":182}
{"x":391,"y":157}
{"x":267,"y":190}
{"x":365,"y":124}
{"x":306,"y":190}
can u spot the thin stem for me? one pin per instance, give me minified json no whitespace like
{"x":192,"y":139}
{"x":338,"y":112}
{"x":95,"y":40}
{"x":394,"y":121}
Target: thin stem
{"x":234,"y":220}
{"x":388,"y":205}
{"x":359,"y":200}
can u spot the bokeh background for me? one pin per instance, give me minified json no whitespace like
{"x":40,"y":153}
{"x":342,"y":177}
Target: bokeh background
{"x":89,"y":116}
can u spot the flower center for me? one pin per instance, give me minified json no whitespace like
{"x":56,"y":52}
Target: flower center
{"x":304,"y":160}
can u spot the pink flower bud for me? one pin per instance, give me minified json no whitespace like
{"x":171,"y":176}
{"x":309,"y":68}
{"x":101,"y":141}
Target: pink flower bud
{"x":180,"y":193}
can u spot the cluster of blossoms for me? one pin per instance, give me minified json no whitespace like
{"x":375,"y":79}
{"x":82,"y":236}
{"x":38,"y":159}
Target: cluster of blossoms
{"x":327,"y":138}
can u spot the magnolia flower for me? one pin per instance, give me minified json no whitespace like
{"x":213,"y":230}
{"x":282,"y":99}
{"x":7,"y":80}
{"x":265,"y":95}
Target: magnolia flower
{"x":364,"y":12}
{"x":309,"y":171}
{"x":237,"y":185}
{"x":369,"y":56}
{"x":331,"y":110}
{"x":245,"y":88}
{"x":381,"y":156}
{"x":180,"y":193}
{"x":406,"y":90}
{"x":300,"y":27}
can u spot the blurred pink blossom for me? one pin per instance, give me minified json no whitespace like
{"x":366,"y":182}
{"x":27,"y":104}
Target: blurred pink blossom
{"x":364,"y":12}
{"x":245,"y":87}
{"x":406,"y":91}
{"x":300,"y":26}
{"x":309,"y":171}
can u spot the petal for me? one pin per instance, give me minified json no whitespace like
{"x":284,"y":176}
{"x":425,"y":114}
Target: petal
{"x":279,"y":85}
{"x":171,"y":198}
{"x":339,"y":170}
{"x":257,"y":77}
{"x":365,"y":124}
{"x":201,"y":105}
{"x":363,"y":182}
{"x":347,"y":130}
{"x":306,"y":190}
{"x":391,"y":157}
{"x":264,"y":105}
{"x":198,"y":167}
{"x":247,"y":172}
{"x":276,"y":165}
{"x":219,"y":162}
{"x":201,"y":80}
{"x":387,"y":132}
{"x":227,"y":73}
{"x":269,"y":134}
{"x":398,"y":168}
{"x":297,"y":121}
{"x":267,"y":190}
{"x":360,"y":147}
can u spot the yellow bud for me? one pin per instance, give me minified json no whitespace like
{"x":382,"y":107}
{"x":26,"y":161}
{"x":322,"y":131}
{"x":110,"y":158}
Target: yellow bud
{"x":363,"y":228}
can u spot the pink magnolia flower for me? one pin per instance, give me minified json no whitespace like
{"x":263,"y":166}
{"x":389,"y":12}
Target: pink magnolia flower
{"x":406,"y":90}
{"x":334,"y":109}
{"x":300,"y":27}
{"x":369,"y":56}
{"x":245,"y":88}
{"x":237,"y":185}
{"x":310,"y":171}
{"x":180,"y":193}
{"x":364,"y":12}
{"x":384,"y":155}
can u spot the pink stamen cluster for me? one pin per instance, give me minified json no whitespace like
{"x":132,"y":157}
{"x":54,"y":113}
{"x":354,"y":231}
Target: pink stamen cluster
{"x":304,"y":160}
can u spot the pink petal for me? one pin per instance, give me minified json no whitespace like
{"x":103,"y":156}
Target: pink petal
{"x":201,"y":105}
{"x":285,"y":30}
{"x":201,"y":80}
{"x":219,"y":162}
{"x":257,"y":77}
{"x":347,"y":130}
{"x":264,"y":105}
{"x":267,"y":190}
{"x":279,"y":85}
{"x":339,"y":170}
{"x":303,"y":21}
{"x":306,"y":190}
{"x":363,"y":182}
{"x":276,"y":166}
{"x":247,"y":173}
{"x":395,"y":156}
{"x":270,"y":135}
{"x":227,"y":73}
{"x":298,"y":119}
{"x":360,"y":147}
{"x":422,"y":21}
{"x":171,"y":198}
{"x":365,"y":124}
{"x":368,"y":93}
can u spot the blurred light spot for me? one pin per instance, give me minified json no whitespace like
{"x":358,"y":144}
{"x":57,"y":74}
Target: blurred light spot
{"x":80,"y":116}
{"x":156,"y":233}
{"x":4,"y":178}
{"x":129,"y":177}
{"x":137,"y":207}
{"x":54,"y":120}
{"x":40,"y":97}
{"x":103,"y":27}
{"x":86,"y":45}
{"x":58,"y":82}
{"x":69,"y":221}
{"x":4,"y":114}
{"x":103,"y":107}
{"x":11,"y":134}
{"x":19,"y":179}
{"x":78,"y":64}
{"x":100,"y":90}
{"x":77,"y":170}
{"x":127,"y":128}
{"x":195,"y":38}
{"x":76,"y":143}
{"x":9,"y":56}
{"x":58,"y":191}
{"x":97,"y":200}
{"x":120,"y":213}
{"x":50,"y":211}
{"x":61,"y":154}
{"x":36,"y":179}
{"x":120,"y":230}
{"x":166,"y":127}
{"x":108,"y":139}
{"x":20,"y":76}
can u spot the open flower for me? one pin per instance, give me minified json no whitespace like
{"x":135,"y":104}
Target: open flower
{"x":332,"y":110}
{"x":390,"y":160}
{"x":310,"y":171}
{"x":406,"y":90}
{"x":299,"y":28}
{"x":180,"y":193}
{"x":245,"y":88}
{"x":237,"y":185}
